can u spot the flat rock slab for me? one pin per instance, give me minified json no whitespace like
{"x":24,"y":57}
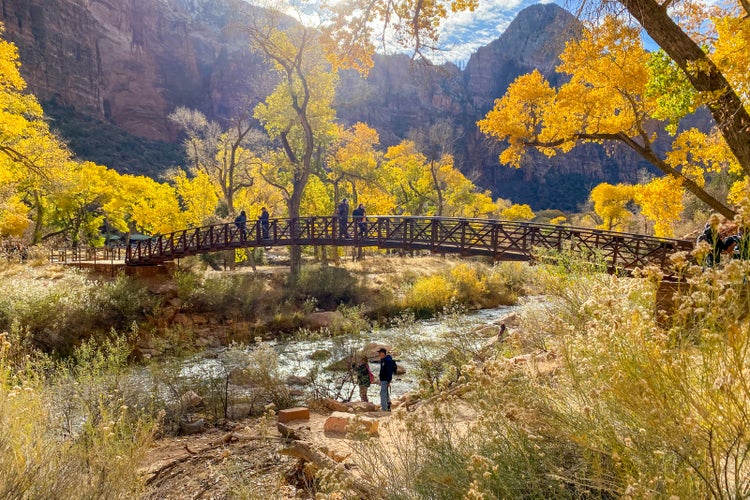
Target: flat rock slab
{"x":341,"y":422}
{"x":291,"y":414}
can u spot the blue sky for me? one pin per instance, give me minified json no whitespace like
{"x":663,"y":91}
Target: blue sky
{"x":461,"y":34}
{"x":465,"y":32}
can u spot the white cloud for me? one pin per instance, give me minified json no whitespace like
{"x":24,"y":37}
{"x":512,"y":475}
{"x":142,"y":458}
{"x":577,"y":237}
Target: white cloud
{"x":460,"y":35}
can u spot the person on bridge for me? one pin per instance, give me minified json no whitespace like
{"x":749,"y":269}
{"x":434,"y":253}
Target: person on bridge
{"x":343,"y":213}
{"x":358,"y":215}
{"x":241,"y":222}
{"x":264,"y":224}
{"x":712,"y":237}
{"x":741,"y":244}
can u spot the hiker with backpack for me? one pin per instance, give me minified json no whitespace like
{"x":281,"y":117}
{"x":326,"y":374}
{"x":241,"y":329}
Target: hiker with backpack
{"x":364,"y":377}
{"x":741,"y":244}
{"x":387,"y":371}
{"x":712,"y":237}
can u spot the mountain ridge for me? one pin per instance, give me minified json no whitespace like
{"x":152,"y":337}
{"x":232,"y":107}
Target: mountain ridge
{"x":128,"y":65}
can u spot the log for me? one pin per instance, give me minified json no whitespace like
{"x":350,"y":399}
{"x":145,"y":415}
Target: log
{"x":292,"y":433}
{"x":309,"y":453}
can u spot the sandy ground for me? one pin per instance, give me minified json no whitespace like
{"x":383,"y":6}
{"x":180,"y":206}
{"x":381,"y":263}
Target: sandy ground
{"x":244,"y":460}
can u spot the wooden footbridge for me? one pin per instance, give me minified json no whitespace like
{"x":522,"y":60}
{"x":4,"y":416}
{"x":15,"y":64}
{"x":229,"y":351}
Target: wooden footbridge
{"x":499,"y":239}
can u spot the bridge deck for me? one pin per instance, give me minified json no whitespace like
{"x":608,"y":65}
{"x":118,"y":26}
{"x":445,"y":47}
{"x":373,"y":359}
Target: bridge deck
{"x":501,"y":240}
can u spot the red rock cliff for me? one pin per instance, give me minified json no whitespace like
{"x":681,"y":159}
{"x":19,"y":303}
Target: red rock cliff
{"x":131,"y":62}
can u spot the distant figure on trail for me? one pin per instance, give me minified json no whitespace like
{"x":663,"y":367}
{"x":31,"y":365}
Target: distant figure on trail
{"x":343,"y":214}
{"x":358,"y":216}
{"x":387,"y":371}
{"x":364,"y":377}
{"x":710,"y":235}
{"x":241,"y":222}
{"x":264,"y":224}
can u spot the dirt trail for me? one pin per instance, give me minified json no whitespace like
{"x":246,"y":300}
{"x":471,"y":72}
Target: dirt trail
{"x":244,"y":460}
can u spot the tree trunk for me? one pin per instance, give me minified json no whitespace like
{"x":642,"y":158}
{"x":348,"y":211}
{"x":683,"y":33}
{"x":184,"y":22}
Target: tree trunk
{"x":36,"y":237}
{"x":730,"y":115}
{"x":295,"y":251}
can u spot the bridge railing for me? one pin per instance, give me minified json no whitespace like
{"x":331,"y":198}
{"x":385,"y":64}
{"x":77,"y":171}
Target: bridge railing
{"x":87,"y":254}
{"x":503,"y":240}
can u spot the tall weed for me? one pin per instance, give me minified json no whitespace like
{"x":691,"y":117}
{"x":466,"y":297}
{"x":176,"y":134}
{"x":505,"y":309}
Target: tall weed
{"x":91,"y":453}
{"x":621,"y":406}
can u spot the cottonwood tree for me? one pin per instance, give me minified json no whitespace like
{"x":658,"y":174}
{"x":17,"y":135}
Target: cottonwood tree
{"x":353,"y":160}
{"x":224,"y":155}
{"x":708,"y":43}
{"x":299,"y":113}
{"x":717,"y":70}
{"x":32,"y":160}
{"x":611,"y":205}
{"x":605,"y":99}
{"x":421,"y":188}
{"x":354,"y":26}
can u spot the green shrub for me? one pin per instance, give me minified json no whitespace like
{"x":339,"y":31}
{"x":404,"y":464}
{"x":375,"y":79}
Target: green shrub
{"x":234,"y":296}
{"x":329,"y":286}
{"x":58,"y":312}
{"x":72,"y":435}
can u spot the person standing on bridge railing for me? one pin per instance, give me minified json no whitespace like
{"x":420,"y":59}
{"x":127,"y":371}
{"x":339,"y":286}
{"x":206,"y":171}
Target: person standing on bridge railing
{"x":343,"y":214}
{"x":358,"y":215}
{"x":264,"y":224}
{"x":241,"y":222}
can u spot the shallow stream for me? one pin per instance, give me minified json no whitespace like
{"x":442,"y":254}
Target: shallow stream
{"x":409,"y":341}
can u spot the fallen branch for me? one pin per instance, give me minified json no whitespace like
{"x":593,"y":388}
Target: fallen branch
{"x":228,"y":438}
{"x":458,"y":390}
{"x":292,"y":433}
{"x":309,"y":453}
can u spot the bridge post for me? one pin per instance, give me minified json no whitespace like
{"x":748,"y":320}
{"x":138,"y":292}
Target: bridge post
{"x":463,"y":223}
{"x":434,"y":228}
{"x":494,"y":239}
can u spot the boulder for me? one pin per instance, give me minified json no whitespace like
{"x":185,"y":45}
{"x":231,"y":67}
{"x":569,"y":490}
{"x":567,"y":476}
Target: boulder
{"x":371,"y":350}
{"x":340,"y":422}
{"x":486,"y":330}
{"x":192,"y":427}
{"x":190,"y":400}
{"x":239,"y":411}
{"x":183,"y":320}
{"x":297,"y":380}
{"x":321,"y":319}
{"x":510,"y":320}
{"x":334,"y":405}
{"x":363,"y":406}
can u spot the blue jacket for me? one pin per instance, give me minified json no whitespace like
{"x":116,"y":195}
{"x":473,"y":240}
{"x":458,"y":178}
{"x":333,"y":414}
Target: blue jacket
{"x":387,"y":368}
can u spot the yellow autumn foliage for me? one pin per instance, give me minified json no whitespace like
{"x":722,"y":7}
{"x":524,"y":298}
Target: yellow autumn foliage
{"x":610,"y":204}
{"x":661,"y":202}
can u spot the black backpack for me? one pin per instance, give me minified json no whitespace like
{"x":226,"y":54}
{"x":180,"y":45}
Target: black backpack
{"x":707,"y":235}
{"x":395,"y":366}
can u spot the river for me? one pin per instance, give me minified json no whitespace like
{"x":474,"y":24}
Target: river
{"x":409,"y":340}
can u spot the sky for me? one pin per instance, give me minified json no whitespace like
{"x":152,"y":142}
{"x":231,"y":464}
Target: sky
{"x":462,"y":34}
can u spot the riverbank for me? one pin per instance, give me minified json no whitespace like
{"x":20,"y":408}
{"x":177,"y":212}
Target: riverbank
{"x":251,"y":458}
